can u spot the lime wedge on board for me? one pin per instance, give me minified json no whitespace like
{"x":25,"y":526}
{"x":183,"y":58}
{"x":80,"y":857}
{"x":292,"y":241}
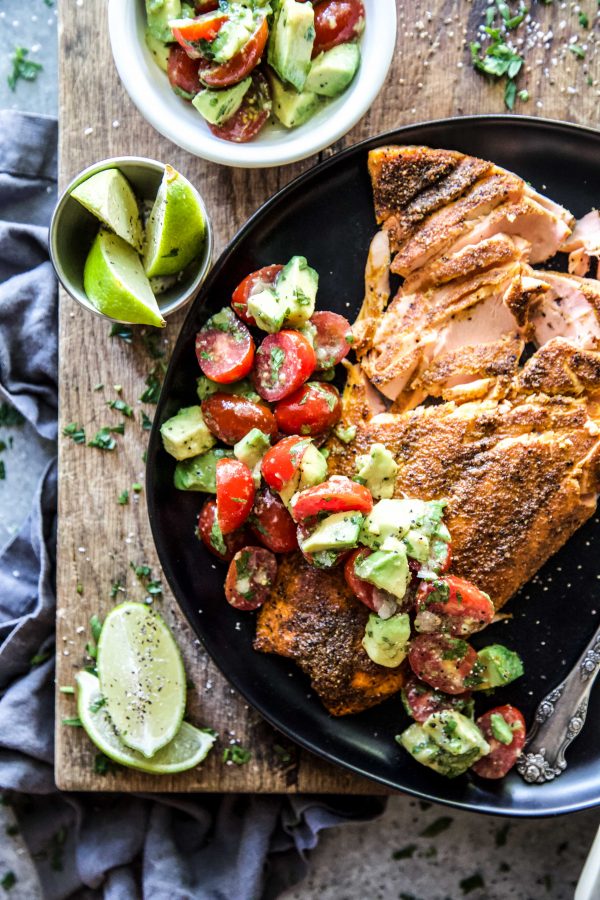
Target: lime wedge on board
{"x":116,"y":284}
{"x":109,"y":197}
{"x":141,"y":677}
{"x":187,"y":749}
{"x":175,"y":232}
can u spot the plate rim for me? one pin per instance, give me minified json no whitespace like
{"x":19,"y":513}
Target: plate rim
{"x":307,"y":743}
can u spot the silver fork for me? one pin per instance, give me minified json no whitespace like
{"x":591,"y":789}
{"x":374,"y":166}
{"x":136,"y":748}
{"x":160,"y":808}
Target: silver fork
{"x":559,"y":718}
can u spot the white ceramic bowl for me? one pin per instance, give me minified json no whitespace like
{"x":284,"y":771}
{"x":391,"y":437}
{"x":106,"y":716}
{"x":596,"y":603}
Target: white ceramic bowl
{"x":275,"y":145}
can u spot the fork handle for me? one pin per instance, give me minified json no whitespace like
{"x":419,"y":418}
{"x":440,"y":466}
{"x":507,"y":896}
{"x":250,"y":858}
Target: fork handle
{"x":559,"y":718}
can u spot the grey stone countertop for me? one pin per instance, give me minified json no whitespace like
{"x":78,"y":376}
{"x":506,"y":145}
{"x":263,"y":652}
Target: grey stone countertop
{"x":416,"y":851}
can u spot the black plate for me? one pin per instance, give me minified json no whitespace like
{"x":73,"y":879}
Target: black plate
{"x":327,"y":216}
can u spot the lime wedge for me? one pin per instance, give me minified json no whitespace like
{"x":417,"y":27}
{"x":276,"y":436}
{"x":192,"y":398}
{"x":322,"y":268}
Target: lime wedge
{"x":176,"y":229}
{"x":188,"y":748}
{"x":109,"y":197}
{"x":141,"y":677}
{"x":116,"y":284}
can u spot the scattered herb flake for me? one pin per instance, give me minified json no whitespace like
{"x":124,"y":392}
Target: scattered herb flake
{"x":437,"y":826}
{"x":150,"y":340}
{"x":97,"y":705}
{"x":471,"y":883}
{"x":2,"y":470}
{"x":22,"y":67}
{"x":152,"y":392}
{"x":99,"y":386}
{"x":123,"y":499}
{"x":523,"y":95}
{"x":405,"y":852}
{"x":9,"y":416}
{"x":75,"y":721}
{"x":121,"y":406}
{"x":283,"y":755}
{"x":577,"y":50}
{"x":115,"y":587}
{"x":79,"y":588}
{"x":584,"y":20}
{"x":136,"y":488}
{"x":75,"y":432}
{"x":103,"y":765}
{"x":122,"y":331}
{"x":146,"y":422}
{"x":8,"y":880}
{"x":103,"y":439}
{"x":40,"y":658}
{"x":142,"y":571}
{"x":66,"y":689}
{"x":236,"y":754}
{"x":95,"y":627}
{"x":117,"y":429}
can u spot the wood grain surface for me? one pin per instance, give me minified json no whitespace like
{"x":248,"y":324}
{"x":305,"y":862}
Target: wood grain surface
{"x":98,"y":539}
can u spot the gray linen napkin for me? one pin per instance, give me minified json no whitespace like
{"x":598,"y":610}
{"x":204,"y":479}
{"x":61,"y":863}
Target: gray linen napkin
{"x":118,"y":847}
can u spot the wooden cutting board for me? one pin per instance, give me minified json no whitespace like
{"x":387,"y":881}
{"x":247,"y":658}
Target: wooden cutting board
{"x":98,"y":539}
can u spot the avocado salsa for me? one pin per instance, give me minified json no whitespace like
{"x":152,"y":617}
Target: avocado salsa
{"x":239,"y":62}
{"x":254,"y":442}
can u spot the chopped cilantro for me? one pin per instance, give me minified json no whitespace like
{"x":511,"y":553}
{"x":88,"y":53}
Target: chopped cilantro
{"x":437,"y":826}
{"x":284,"y":756}
{"x":405,"y":852}
{"x":142,"y":571}
{"x":217,"y":540}
{"x":153,"y":385}
{"x":236,"y":754}
{"x":9,"y":416}
{"x":577,"y":51}
{"x":22,"y":67}
{"x":99,"y":386}
{"x":8,"y":880}
{"x":79,"y":588}
{"x":510,"y":94}
{"x":75,"y":721}
{"x":95,"y":627}
{"x":103,"y":439}
{"x":40,"y":658}
{"x":125,"y":332}
{"x":97,"y":705}
{"x":584,"y":20}
{"x":103,"y":765}
{"x":498,"y":60}
{"x":75,"y":432}
{"x":118,"y":429}
{"x":123,"y":499}
{"x":121,"y":406}
{"x":154,"y":587}
{"x":277,"y":360}
{"x":2,"y":470}
{"x":456,"y":649}
{"x":150,"y":340}
{"x":146,"y":422}
{"x":115,"y":587}
{"x":523,"y":95}
{"x":136,"y":488}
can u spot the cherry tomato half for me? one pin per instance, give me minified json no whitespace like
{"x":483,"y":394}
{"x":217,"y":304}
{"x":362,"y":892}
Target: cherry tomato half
{"x":252,"y":284}
{"x":240,"y":65}
{"x":183,"y":71}
{"x":333,"y":338}
{"x":374,"y":598}
{"x":235,"y":494}
{"x":230,"y":417}
{"x":421,"y":700}
{"x":502,"y":757}
{"x":336,"y":22}
{"x":224,"y":348}
{"x":281,"y":462}
{"x":337,"y":494}
{"x":223,"y":546}
{"x":272,"y":524}
{"x":284,"y":361}
{"x":442,"y":661}
{"x":250,"y":577}
{"x":187,"y":32}
{"x":204,"y":6}
{"x":452,"y":605}
{"x":251,"y":116}
{"x":313,"y":409}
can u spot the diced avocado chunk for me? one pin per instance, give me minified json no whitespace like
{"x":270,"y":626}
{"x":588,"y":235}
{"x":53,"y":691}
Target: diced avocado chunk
{"x":377,"y":470}
{"x":251,"y":449}
{"x":291,"y":42}
{"x":496,"y":666}
{"x":387,"y":570}
{"x":447,"y":742}
{"x":159,"y":12}
{"x":312,"y":470}
{"x":234,"y":33}
{"x":291,"y":107}
{"x":186,"y":434}
{"x":297,"y":287}
{"x":331,"y":72}
{"x":386,"y":640}
{"x":336,"y":532}
{"x":267,"y":309}
{"x":345,"y":434}
{"x":417,"y":545}
{"x":218,"y":106}
{"x":393,"y":519}
{"x":159,"y":50}
{"x":198,"y":473}
{"x":205,"y":387}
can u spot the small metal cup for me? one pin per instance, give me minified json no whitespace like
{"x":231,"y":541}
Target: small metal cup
{"x":73,"y":229}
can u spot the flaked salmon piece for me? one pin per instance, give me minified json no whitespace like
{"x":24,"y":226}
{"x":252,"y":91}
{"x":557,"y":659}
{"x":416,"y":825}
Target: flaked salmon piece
{"x":583,"y":244}
{"x":524,"y":218}
{"x":313,"y":618}
{"x":558,"y":367}
{"x":377,"y":291}
{"x":473,"y":363}
{"x":360,"y":400}
{"x":444,"y":229}
{"x":551,"y":205}
{"x":569,"y":309}
{"x":527,"y":466}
